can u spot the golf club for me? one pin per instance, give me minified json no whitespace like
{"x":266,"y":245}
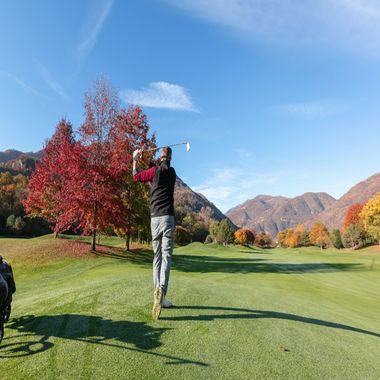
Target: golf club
{"x":160,"y":147}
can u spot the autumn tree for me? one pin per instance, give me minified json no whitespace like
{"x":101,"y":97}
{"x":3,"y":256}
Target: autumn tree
{"x":290,"y":238}
{"x":87,"y":184}
{"x":319,"y":235}
{"x":281,"y":238}
{"x":48,"y":195}
{"x":131,"y":131}
{"x":354,"y":236}
{"x":244,"y":236}
{"x":370,"y":215}
{"x":353,"y":216}
{"x":263,"y":240}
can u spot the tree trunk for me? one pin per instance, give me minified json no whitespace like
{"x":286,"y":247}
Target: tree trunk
{"x":55,"y":235}
{"x":93,"y":244}
{"x":127,"y":240}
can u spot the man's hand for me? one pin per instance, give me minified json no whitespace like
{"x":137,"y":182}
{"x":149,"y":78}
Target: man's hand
{"x":136,"y":154}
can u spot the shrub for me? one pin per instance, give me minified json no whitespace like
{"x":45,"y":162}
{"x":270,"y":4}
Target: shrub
{"x":263,"y":240}
{"x":181,"y":236}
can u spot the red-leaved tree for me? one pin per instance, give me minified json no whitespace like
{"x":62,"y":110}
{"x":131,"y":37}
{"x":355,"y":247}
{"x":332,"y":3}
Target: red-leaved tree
{"x":48,"y":184}
{"x":353,"y":216}
{"x":87,"y":185}
{"x":130,"y":132}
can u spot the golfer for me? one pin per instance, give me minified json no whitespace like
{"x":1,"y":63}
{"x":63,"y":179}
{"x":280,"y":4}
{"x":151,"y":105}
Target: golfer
{"x":162,"y":180}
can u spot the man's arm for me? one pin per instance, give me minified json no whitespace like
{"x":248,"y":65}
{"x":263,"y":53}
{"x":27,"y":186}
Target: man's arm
{"x":145,"y":175}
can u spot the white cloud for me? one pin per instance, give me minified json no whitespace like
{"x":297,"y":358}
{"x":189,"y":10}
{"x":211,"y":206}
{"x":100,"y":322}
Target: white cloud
{"x":95,"y":21}
{"x":348,"y":24}
{"x":50,"y":81}
{"x":312,"y":109}
{"x":19,"y":82}
{"x":229,"y":186}
{"x":160,"y":95}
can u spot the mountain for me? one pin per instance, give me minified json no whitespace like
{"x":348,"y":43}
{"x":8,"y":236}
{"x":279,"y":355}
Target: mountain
{"x":274,"y":214}
{"x":15,"y":161}
{"x":185,"y":197}
{"x":12,"y":154}
{"x":334,"y":215}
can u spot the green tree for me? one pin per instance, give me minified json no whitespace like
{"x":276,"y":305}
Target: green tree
{"x":355,"y":236}
{"x":19,"y":225}
{"x":11,"y":223}
{"x":336,"y":239}
{"x":226,"y":233}
{"x":213,"y":229}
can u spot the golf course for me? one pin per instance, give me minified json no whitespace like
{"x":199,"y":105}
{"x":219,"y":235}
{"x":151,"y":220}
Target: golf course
{"x":240,"y":313}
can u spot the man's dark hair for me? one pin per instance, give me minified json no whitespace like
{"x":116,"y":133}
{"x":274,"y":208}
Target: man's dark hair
{"x":166,"y":153}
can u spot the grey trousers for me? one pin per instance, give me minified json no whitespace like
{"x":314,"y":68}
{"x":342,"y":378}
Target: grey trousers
{"x":162,"y":239}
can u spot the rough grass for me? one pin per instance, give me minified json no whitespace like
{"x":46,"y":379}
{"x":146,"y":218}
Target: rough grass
{"x":242,"y":313}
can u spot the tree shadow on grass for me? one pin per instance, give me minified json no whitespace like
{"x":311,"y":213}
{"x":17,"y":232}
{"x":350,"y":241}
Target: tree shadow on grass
{"x":238,"y":313}
{"x":132,"y":336}
{"x":207,"y":264}
{"x":139,"y":256}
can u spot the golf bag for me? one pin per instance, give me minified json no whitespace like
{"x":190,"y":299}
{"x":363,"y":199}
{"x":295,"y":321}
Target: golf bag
{"x":7,"y":288}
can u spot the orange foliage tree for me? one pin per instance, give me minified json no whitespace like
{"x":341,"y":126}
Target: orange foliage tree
{"x":353,"y":216}
{"x":244,"y":236}
{"x":319,"y":235}
{"x":371,"y":217}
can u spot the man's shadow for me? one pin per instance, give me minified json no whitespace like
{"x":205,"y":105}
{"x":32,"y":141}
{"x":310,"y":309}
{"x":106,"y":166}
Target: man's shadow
{"x":132,"y":336}
{"x":238,"y":313}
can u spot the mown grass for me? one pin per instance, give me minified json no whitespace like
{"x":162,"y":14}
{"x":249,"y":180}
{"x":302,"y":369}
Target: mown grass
{"x":242,"y":313}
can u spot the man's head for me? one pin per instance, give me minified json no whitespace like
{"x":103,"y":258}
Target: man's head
{"x":166,"y":153}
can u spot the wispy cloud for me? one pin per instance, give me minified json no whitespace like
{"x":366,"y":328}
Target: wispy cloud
{"x":93,"y":25}
{"x":19,"y":82}
{"x":50,"y":81}
{"x":243,"y":154}
{"x":160,"y":95}
{"x":319,"y":108}
{"x":229,"y":186}
{"x":348,"y":24}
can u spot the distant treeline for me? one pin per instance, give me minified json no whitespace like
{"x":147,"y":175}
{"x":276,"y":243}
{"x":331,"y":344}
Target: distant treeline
{"x":13,"y":221}
{"x":361,"y":228}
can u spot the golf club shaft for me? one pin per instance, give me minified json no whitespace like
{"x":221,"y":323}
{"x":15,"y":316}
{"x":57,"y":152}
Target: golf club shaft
{"x":160,"y":147}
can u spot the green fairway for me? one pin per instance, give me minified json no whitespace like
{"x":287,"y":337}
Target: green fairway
{"x":241,"y":313}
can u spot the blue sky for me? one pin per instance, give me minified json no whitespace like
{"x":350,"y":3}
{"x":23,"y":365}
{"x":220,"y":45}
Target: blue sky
{"x":275,"y":97}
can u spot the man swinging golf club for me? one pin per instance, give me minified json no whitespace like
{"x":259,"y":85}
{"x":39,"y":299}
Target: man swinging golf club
{"x":162,"y":179}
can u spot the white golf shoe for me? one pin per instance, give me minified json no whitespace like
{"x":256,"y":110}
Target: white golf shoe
{"x":167,"y":304}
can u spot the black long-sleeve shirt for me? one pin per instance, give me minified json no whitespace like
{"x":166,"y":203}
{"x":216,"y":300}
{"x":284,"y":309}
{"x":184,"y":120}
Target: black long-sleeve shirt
{"x":162,"y":179}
